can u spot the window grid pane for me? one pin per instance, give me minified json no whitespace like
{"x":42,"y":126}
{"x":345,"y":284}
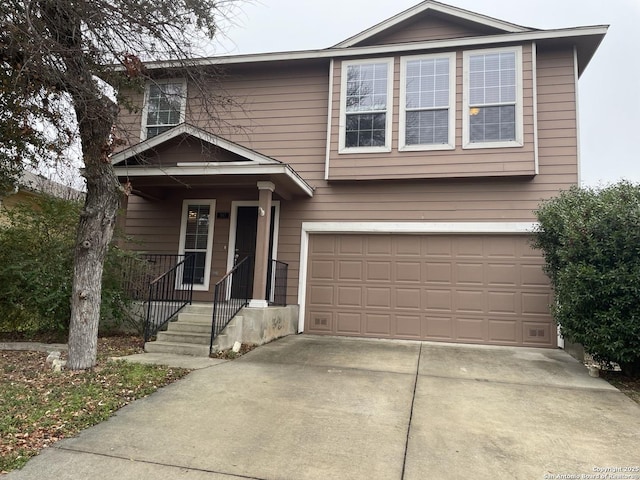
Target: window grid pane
{"x":492,"y":97}
{"x":366,"y":130}
{"x":196,"y":241}
{"x":367,"y":87}
{"x":164,"y":107}
{"x":427,"y":101}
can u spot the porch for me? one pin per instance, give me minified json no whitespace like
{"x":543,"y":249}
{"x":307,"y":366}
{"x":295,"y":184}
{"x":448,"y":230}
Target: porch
{"x":215,"y":207}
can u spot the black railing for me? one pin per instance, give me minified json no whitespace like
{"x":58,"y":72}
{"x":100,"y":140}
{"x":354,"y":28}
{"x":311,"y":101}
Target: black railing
{"x":161,"y":276}
{"x":231,"y":293}
{"x":278,"y":285}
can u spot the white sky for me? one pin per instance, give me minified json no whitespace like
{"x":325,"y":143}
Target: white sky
{"x":609,"y":88}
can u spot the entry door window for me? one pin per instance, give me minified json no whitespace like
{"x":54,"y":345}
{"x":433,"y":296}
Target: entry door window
{"x":196,"y":239}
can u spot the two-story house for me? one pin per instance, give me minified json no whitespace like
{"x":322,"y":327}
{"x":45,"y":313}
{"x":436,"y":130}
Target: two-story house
{"x":396,"y":173}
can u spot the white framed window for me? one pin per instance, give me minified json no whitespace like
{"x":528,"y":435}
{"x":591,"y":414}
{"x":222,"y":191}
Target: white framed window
{"x":427,"y":102}
{"x":492,"y":99}
{"x":164,"y":106}
{"x":366,"y":106}
{"x":196,"y":238}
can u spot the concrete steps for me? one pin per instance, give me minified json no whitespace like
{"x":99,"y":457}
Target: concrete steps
{"x":190,"y":334}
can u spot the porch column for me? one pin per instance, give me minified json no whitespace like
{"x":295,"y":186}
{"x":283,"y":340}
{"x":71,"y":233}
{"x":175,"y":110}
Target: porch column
{"x":262,"y":245}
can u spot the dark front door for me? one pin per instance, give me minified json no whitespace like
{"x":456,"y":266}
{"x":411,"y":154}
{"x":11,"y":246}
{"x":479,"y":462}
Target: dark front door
{"x":246,"y":230}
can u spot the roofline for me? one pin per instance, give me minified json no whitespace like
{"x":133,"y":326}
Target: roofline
{"x":438,"y":7}
{"x":329,"y":53}
{"x":204,"y":169}
{"x":185,"y":128}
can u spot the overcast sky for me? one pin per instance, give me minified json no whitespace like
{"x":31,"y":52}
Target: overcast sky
{"x":609,"y":88}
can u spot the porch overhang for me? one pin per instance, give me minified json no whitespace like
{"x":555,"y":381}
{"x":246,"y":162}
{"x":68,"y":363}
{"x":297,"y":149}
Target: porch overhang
{"x":287,"y":182}
{"x":151,"y":165}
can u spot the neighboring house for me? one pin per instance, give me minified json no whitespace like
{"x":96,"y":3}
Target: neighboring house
{"x":396,"y":173}
{"x":30,"y":186}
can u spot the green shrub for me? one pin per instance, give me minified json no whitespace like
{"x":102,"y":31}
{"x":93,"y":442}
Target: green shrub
{"x":36,"y":269}
{"x":590,"y":239}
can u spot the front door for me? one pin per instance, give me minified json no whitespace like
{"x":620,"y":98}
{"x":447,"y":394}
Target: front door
{"x":245,"y":246}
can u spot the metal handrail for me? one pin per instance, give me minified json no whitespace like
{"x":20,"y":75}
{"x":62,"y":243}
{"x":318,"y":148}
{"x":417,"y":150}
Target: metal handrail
{"x":230,"y":294}
{"x":278,"y":293}
{"x":164,"y":298}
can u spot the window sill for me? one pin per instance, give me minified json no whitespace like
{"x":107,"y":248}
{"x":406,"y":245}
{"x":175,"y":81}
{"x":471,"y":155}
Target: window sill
{"x":426,"y":148}
{"x":347,"y":150}
{"x":510,"y":144}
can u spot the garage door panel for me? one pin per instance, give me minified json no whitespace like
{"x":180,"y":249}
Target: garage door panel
{"x":457,"y":288}
{"x":438,"y":300}
{"x":534,"y":276}
{"x":506,"y":274}
{"x":321,"y":295}
{"x":409,"y":326}
{"x":470,"y":301}
{"x":503,"y":331}
{"x":535,"y":303}
{"x":438,"y":328}
{"x":351,"y":245}
{"x":322,"y":270}
{"x":471,"y":329}
{"x":503,"y":303}
{"x":438,"y":272}
{"x":378,"y":271}
{"x":320,"y":321}
{"x":378,"y":297}
{"x":470,"y":273}
{"x":349,"y":296}
{"x":408,"y":272}
{"x":350,"y":270}
{"x":348,"y":323}
{"x":407,"y":298}
{"x":536,"y":334}
{"x":378,"y":324}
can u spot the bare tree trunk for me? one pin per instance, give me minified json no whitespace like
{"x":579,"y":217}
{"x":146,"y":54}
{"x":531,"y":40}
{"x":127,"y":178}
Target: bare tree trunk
{"x":95,"y":230}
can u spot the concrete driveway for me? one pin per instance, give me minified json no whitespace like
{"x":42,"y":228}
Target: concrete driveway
{"x":308,"y":407}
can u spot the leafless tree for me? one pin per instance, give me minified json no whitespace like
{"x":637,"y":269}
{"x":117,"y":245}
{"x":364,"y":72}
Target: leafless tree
{"x":67,"y":66}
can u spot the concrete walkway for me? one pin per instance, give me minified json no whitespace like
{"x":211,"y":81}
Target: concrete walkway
{"x":308,"y":407}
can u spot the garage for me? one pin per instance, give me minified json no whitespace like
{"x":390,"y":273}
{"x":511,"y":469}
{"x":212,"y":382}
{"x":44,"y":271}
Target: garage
{"x":464,"y":288}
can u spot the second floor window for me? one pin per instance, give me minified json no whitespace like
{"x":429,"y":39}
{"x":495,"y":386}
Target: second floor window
{"x":164,"y":109}
{"x":366,"y":105}
{"x":427,"y":102}
{"x":493,"y":98}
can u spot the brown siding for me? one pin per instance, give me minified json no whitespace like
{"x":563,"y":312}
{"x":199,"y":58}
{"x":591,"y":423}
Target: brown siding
{"x":429,"y":27}
{"x":280,"y":104}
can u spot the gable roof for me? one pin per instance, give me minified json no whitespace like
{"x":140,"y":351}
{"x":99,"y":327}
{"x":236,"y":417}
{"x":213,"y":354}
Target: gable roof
{"x":426,"y":6}
{"x":195,"y":132}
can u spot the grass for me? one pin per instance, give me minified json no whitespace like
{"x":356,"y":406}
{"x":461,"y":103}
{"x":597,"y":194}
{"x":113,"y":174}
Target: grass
{"x":39,"y":407}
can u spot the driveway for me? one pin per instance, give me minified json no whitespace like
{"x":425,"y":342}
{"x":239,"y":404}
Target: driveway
{"x":307,"y":407}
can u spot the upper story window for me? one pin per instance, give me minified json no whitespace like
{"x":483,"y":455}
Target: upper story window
{"x":365,"y":106}
{"x":164,"y":108}
{"x":492,"y":110}
{"x":427,"y":102}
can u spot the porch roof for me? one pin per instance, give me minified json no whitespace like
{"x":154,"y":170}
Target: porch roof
{"x":245,"y":167}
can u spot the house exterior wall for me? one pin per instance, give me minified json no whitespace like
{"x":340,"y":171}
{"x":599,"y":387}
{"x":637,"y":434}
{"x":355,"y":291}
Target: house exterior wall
{"x":283,"y":114}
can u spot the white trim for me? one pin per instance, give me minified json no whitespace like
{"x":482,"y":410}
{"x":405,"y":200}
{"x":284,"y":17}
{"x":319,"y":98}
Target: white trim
{"x":534,"y":70}
{"x":183,"y":229}
{"x":329,"y":53}
{"x":233,"y":224}
{"x":342,"y":149}
{"x":329,"y":120}
{"x":145,"y":107}
{"x":423,"y":7}
{"x":578,"y":151}
{"x":204,"y":169}
{"x":519,"y":141}
{"x":451,"y":143}
{"x":398,"y":228}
